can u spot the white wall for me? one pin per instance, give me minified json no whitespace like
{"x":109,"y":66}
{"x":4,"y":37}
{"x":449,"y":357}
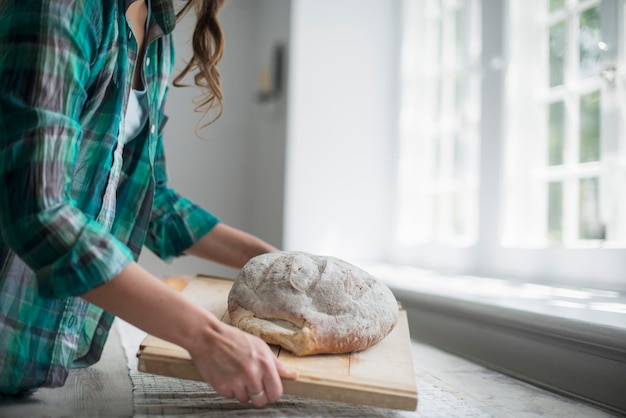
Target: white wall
{"x":236,"y":171}
{"x":341,"y":127}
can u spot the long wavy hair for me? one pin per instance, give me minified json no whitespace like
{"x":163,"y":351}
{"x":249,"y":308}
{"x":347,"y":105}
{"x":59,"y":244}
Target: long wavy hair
{"x":208,"y":47}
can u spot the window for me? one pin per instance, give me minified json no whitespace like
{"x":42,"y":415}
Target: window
{"x":574,"y":170}
{"x":440,"y":102}
{"x":548,"y":190}
{"x":513,"y":151}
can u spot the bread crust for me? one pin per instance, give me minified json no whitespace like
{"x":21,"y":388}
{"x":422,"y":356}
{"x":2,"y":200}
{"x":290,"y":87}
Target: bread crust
{"x":311,"y":304}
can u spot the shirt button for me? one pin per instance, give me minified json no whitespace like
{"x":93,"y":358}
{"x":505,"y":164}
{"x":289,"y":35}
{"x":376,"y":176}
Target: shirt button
{"x":152,"y":128}
{"x":99,"y":331}
{"x":130,"y":34}
{"x":147,"y":61}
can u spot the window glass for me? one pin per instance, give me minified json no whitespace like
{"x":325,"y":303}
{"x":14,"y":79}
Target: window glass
{"x":589,"y":38}
{"x":590,"y":226}
{"x":555,"y":5}
{"x":555,"y":212}
{"x":557,"y":54}
{"x":589,"y":127}
{"x":556,"y":132}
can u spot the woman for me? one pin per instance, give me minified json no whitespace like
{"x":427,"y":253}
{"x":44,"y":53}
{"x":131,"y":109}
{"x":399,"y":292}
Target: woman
{"x":83,"y":187}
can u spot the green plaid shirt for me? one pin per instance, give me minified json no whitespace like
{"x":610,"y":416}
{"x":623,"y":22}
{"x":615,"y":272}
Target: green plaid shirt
{"x":65,"y":76}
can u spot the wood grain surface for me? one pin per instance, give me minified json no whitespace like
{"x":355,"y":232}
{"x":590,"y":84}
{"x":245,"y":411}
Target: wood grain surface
{"x":102,"y":390}
{"x":382,"y":375}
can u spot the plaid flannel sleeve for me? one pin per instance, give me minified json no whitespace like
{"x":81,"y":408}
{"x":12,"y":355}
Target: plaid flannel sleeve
{"x":45,"y":57}
{"x":176,"y":222}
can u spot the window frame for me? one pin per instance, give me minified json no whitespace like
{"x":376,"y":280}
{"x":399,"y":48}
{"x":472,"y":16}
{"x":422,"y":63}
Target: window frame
{"x":595,"y":264}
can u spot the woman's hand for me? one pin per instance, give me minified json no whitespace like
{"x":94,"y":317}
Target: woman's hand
{"x":239,"y":365}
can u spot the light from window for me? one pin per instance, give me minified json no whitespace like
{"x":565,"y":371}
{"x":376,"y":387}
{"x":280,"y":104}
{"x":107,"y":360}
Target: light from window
{"x":568,"y":190}
{"x":438,"y":173}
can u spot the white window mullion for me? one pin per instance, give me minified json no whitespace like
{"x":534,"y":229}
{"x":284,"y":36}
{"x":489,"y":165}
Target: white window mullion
{"x":570,"y":182}
{"x":570,"y":210}
{"x":620,"y":92}
{"x":570,"y":191}
{"x":613,"y":180}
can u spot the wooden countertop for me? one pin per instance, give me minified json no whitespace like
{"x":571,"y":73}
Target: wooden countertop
{"x":448,"y":386}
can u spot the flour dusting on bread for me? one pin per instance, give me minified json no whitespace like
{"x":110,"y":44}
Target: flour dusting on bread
{"x":311,"y":304}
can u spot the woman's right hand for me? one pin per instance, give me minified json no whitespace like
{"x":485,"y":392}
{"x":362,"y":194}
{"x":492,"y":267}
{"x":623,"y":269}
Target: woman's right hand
{"x":238,"y":365}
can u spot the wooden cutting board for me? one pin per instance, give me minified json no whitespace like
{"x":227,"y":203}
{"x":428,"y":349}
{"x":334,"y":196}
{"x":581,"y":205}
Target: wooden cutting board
{"x":382,"y":375}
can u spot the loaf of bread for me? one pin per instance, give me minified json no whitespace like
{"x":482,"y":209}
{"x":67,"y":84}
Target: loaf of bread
{"x":310,"y":304}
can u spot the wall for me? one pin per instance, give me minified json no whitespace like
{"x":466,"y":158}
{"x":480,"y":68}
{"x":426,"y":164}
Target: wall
{"x":236,"y":169}
{"x":341,"y":127}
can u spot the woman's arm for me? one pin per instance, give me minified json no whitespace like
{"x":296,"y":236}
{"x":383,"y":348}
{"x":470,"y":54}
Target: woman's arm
{"x":229,"y":246}
{"x":235,"y":363}
{"x":46,"y":58}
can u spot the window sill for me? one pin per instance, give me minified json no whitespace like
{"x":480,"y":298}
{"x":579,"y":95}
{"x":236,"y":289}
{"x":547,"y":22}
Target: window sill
{"x":572,"y":341}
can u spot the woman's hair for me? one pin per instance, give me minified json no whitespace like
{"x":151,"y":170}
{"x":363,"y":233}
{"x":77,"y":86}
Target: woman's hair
{"x":208,"y":48}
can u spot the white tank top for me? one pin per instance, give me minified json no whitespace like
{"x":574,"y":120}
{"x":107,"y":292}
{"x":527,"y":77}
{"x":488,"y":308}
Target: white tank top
{"x":136,"y":115}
